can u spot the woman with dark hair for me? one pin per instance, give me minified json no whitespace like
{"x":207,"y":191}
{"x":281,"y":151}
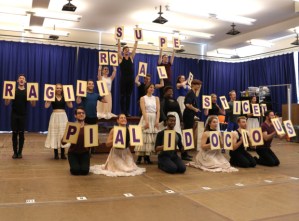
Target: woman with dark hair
{"x":120,"y":162}
{"x":150,"y":108}
{"x":215,"y":111}
{"x":208,"y":159}
{"x":183,"y":88}
{"x":104,"y":110}
{"x":58,"y":121}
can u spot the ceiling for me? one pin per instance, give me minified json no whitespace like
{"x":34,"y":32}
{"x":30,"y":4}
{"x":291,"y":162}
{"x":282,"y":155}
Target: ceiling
{"x":274,"y":21}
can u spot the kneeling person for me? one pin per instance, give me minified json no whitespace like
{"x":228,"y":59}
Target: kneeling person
{"x":78,"y":155}
{"x":239,"y":156}
{"x":169,"y":161}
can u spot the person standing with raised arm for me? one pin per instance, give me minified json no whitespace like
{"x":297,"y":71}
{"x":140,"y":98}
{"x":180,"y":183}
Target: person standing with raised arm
{"x":18,"y":116}
{"x":126,"y":76}
{"x":164,"y":61}
{"x":104,"y":110}
{"x":231,"y":117}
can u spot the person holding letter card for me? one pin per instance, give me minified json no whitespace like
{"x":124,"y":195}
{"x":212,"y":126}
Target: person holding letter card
{"x":239,"y":157}
{"x":208,"y":159}
{"x":58,"y":121}
{"x":215,"y":111}
{"x":266,"y":156}
{"x":183,"y":88}
{"x":89,"y":103}
{"x":78,"y":155}
{"x":120,"y":162}
{"x":169,"y":161}
{"x":231,"y":117}
{"x":104,"y":110}
{"x":18,"y":116}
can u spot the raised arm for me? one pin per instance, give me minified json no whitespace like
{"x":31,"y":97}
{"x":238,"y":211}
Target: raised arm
{"x":69,"y":104}
{"x":113,"y":73}
{"x":160,"y":56}
{"x":160,"y":85}
{"x":178,"y":85}
{"x":120,"y":57}
{"x":137,"y":82}
{"x":134,"y":50}
{"x":7,"y":102}
{"x":100,"y":73}
{"x":47,"y":104}
{"x":172,"y":57}
{"x":78,"y":100}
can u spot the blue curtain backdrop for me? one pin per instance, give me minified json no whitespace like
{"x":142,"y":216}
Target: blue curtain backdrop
{"x":40,"y":63}
{"x":221,"y":77}
{"x":57,"y":64}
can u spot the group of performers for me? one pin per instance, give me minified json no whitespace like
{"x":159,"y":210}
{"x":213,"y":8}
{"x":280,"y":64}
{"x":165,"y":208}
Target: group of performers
{"x":157,"y":114}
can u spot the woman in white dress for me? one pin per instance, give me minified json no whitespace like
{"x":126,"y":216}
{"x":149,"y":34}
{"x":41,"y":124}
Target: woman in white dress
{"x":104,"y":110}
{"x":150,"y":108}
{"x":183,"y":88}
{"x":58,"y":121}
{"x":207,"y":159}
{"x":120,"y":162}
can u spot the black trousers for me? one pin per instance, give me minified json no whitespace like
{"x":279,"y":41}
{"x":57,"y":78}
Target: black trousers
{"x":18,"y":127}
{"x":79,"y":163}
{"x":241,"y":158}
{"x":188,"y":120}
{"x":126,"y":89}
{"x":267,"y":157}
{"x":171,"y":163}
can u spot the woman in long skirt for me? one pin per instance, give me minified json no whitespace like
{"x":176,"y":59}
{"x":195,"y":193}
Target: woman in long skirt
{"x":150,"y":107}
{"x":58,"y":121}
{"x":120,"y":162}
{"x":208,"y":159}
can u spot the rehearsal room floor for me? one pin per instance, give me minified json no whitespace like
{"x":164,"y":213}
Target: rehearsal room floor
{"x":38,"y":187}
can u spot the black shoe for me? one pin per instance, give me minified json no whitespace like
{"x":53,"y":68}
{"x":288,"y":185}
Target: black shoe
{"x":147,"y":160}
{"x":56,"y":157}
{"x":14,"y":156}
{"x":62,"y":156}
{"x":20,"y":156}
{"x":138,"y":161}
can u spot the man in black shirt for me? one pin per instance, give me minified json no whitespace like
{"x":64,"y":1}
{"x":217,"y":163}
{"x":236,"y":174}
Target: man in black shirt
{"x":18,"y":116}
{"x":169,"y":161}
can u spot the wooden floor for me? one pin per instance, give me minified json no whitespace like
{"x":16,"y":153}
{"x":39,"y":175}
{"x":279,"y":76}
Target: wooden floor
{"x":38,"y":187}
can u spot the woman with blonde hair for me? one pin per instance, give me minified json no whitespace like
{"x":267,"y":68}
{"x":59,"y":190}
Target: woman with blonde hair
{"x":58,"y":121}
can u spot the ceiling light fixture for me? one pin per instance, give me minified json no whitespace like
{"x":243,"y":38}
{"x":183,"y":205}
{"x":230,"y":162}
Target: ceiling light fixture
{"x":13,"y":11}
{"x":11,"y":28}
{"x":69,"y":7}
{"x":40,"y":30}
{"x":226,"y":52}
{"x":260,"y":43}
{"x":56,"y":15}
{"x":160,"y":19}
{"x":233,"y":31}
